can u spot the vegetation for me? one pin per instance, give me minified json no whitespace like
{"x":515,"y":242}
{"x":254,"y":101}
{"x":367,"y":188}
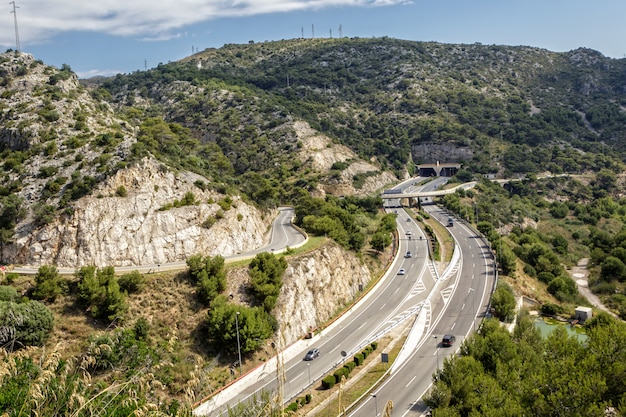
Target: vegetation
{"x":99,"y":291}
{"x":505,"y":374}
{"x":508,"y":110}
{"x":209,"y":276}
{"x":266,"y":276}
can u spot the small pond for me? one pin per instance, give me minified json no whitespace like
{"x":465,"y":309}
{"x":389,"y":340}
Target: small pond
{"x":547,"y":327}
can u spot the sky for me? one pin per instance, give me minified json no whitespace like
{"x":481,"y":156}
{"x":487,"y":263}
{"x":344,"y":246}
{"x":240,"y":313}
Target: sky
{"x":107,"y":37}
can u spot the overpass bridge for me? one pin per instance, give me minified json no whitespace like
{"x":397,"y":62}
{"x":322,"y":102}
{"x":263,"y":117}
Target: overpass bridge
{"x":394,"y":194}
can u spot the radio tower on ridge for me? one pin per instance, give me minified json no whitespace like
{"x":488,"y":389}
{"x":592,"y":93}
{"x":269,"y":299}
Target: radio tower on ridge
{"x":17,"y":33}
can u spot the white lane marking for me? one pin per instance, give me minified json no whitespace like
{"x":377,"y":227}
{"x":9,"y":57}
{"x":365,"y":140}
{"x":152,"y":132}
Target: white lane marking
{"x":453,"y":324}
{"x":463,"y":306}
{"x":412,"y":379}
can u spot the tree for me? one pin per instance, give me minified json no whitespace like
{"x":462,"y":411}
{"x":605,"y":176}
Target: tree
{"x":503,"y":302}
{"x":612,"y":268}
{"x":254,"y":323}
{"x":100,"y":292}
{"x":266,"y":276}
{"x":380,"y":240}
{"x":209,"y":275}
{"x":48,"y":283}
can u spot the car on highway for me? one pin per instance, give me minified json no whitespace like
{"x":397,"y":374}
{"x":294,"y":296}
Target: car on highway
{"x":401,"y":271}
{"x":450,"y":222}
{"x":448,"y":340}
{"x":408,"y":233}
{"x":312,"y":354}
{"x":408,"y":254}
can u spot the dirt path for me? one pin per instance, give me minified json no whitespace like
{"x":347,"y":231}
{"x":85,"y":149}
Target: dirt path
{"x":580,"y":274}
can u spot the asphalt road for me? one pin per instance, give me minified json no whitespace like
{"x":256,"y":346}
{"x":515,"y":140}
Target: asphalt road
{"x":443,"y":305}
{"x":456,"y":306}
{"x":395,"y":298}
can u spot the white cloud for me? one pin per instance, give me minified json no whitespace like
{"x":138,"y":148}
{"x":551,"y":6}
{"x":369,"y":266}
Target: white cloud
{"x":38,"y":20}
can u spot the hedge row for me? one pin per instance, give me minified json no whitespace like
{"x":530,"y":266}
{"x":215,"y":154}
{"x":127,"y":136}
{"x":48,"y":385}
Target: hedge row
{"x":298,"y":403}
{"x":330,"y":380}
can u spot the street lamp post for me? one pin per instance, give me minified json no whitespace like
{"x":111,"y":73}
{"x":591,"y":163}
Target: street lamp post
{"x":308,"y":365}
{"x":375,"y":404}
{"x":473,"y":307}
{"x":437,"y":351}
{"x":238,"y":344}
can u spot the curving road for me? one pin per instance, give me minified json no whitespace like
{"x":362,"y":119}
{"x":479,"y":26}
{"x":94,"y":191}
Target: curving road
{"x":456,"y":305}
{"x":446,"y":304}
{"x":283,"y":236}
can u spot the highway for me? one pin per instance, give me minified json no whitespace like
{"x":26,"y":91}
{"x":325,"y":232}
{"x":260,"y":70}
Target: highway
{"x":395,"y":298}
{"x":442,"y":305}
{"x":456,"y":307}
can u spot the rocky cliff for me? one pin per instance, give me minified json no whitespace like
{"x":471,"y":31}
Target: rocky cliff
{"x":135,"y":229}
{"x":315,"y":286}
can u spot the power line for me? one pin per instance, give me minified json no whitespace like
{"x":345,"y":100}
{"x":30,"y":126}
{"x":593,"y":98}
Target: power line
{"x":17,"y":33}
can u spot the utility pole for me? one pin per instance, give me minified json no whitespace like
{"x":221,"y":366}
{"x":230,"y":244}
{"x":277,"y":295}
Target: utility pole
{"x":17,"y":33}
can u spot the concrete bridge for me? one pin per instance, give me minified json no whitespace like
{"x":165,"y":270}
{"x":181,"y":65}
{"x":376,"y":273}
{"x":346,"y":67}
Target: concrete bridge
{"x":394,"y":194}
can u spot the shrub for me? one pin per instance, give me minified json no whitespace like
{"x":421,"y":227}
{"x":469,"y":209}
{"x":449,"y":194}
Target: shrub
{"x":292,"y":407}
{"x":8,"y":293}
{"x":350,"y":365}
{"x":121,"y":191}
{"x":328,"y":382}
{"x":132,"y":282}
{"x":358,"y":359}
{"x":374,"y":345}
{"x":24,"y":324}
{"x":339,"y":373}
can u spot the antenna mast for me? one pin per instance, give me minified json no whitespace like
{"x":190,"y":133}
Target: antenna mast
{"x":340,"y":30}
{"x":17,"y":33}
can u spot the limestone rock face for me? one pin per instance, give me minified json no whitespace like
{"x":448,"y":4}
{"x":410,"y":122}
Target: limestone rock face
{"x":320,"y":153}
{"x":109,"y":230}
{"x":315,"y":285}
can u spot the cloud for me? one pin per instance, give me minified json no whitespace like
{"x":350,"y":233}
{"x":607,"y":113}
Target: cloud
{"x":39,"y":20}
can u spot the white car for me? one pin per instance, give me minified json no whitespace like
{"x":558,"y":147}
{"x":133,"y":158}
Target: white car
{"x":401,"y":271}
{"x":408,"y":233}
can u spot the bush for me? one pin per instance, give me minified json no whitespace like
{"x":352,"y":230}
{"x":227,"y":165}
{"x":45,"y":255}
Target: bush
{"x":121,"y":191}
{"x":328,"y":382}
{"x":549,"y":309}
{"x":8,"y":293}
{"x":341,"y":372}
{"x":358,"y":359}
{"x":24,"y":324}
{"x":292,"y":407}
{"x":132,"y":282}
{"x":350,"y":366}
{"x":374,"y":345}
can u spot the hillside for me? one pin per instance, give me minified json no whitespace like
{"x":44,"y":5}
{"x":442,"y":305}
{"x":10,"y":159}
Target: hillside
{"x":194,"y":157}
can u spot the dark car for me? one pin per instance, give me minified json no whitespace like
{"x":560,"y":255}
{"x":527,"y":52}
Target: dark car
{"x":448,"y":340}
{"x":312,"y":354}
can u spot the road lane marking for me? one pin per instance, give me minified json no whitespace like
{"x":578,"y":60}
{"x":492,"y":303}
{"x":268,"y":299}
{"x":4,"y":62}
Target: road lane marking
{"x":453,"y":324}
{"x":463,"y":306}
{"x":411,"y":381}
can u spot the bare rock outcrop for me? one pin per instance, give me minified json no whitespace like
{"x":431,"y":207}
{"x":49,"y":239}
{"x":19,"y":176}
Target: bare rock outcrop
{"x":320,"y":153}
{"x":108,"y":229}
{"x":315,"y":285}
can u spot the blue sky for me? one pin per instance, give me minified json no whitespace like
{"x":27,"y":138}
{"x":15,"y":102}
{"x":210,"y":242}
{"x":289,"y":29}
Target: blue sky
{"x":106,"y":37}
